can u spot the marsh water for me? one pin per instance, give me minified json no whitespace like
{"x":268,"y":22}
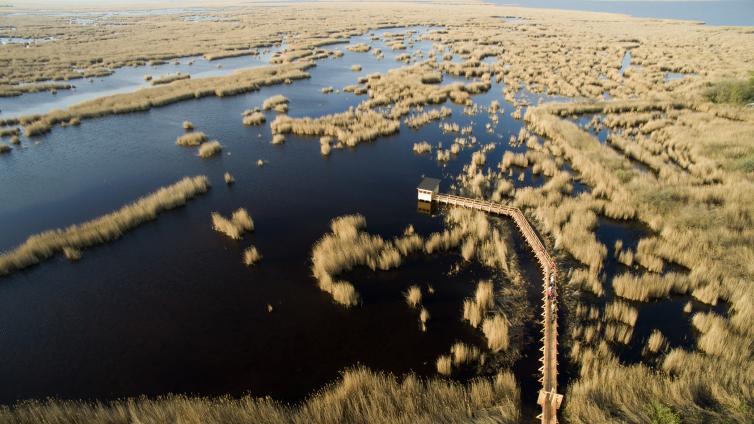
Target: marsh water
{"x":715,"y":12}
{"x":170,"y":308}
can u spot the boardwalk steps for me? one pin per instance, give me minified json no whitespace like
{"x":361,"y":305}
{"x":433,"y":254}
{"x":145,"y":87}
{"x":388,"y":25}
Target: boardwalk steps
{"x":549,"y":398}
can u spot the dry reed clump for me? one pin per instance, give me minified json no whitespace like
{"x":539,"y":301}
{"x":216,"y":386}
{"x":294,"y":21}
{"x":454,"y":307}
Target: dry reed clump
{"x":324,"y":146}
{"x":359,"y":395}
{"x":650,"y":286}
{"x":621,"y":312}
{"x":4,"y":148}
{"x":253,"y":117}
{"x":485,"y":296}
{"x":464,"y":354}
{"x":191,"y":139}
{"x":495,"y":329}
{"x":187,"y":125}
{"x":278,"y":139}
{"x":272,"y":102}
{"x":656,"y":342}
{"x":209,"y":149}
{"x":251,"y":256}
{"x":239,"y":223}
{"x":327,"y":90}
{"x":229,"y":180}
{"x":167,"y":79}
{"x":424,"y":317}
{"x":423,"y":118}
{"x":356,"y":68}
{"x":103,"y":229}
{"x":359,"y":48}
{"x":347,"y":246}
{"x":413,"y":296}
{"x":350,"y":128}
{"x":422,"y":148}
{"x":445,"y":365}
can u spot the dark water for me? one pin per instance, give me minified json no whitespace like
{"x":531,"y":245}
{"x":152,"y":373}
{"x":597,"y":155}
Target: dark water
{"x":723,"y":12}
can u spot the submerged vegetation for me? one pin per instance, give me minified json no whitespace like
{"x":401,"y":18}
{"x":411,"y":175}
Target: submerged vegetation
{"x":103,"y":229}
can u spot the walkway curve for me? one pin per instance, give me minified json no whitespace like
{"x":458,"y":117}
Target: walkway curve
{"x":548,"y":398}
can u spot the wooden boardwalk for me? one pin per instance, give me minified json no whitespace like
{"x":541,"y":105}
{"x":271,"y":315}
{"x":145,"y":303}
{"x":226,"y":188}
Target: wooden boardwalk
{"x":548,"y":398}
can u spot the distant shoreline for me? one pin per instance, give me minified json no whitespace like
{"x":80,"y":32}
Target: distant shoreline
{"x":708,"y":12}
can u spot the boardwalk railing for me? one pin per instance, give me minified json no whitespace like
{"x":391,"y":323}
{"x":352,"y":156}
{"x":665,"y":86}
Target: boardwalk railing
{"x":548,"y":398}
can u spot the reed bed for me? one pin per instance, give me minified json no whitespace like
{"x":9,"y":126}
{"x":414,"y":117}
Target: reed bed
{"x":4,"y":148}
{"x":251,"y":256}
{"x":656,"y":342}
{"x":359,"y":395}
{"x":422,"y":148}
{"x":424,"y":316}
{"x":209,"y":149}
{"x":359,"y":48}
{"x":413,"y":296}
{"x":348,"y":246}
{"x":350,"y":128}
{"x":650,"y":286}
{"x":278,"y":139}
{"x":229,"y":180}
{"x":191,"y":139}
{"x":423,"y":118}
{"x":253,"y":117}
{"x":495,"y":329}
{"x":188,"y":126}
{"x":621,"y":312}
{"x":445,"y":365}
{"x":464,"y":354}
{"x":103,"y":229}
{"x":167,"y":79}
{"x":273,"y":101}
{"x":239,"y":223}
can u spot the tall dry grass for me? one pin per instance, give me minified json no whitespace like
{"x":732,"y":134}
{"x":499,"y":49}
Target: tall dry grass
{"x":422,"y":147}
{"x":209,"y":149}
{"x":656,"y":342}
{"x":253,"y":117}
{"x":360,"y":395}
{"x":271,"y":102}
{"x":191,"y":139}
{"x":251,"y":256}
{"x":649,"y":285}
{"x":348,"y":246}
{"x":239,"y":223}
{"x":103,"y":229}
{"x":464,"y":354}
{"x":167,"y":79}
{"x":413,"y":296}
{"x":495,"y":329}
